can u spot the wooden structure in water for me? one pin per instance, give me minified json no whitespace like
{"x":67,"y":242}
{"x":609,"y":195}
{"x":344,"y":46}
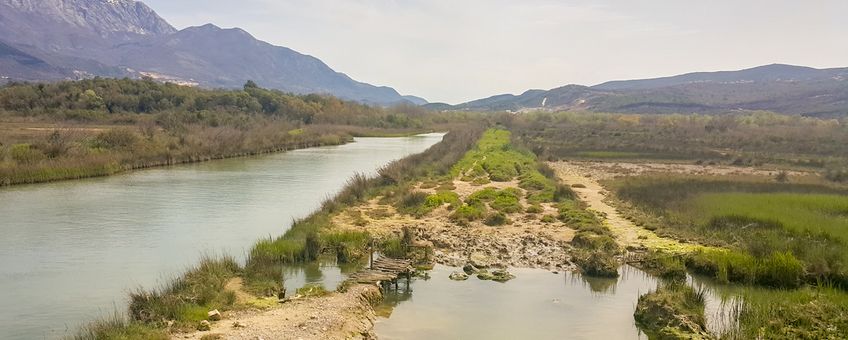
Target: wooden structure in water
{"x":384,"y":270}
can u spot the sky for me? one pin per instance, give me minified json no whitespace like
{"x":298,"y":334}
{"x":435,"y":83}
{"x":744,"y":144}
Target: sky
{"x":461,"y":50}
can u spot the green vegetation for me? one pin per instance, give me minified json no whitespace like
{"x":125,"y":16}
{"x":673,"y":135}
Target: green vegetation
{"x":186,"y":299}
{"x":494,"y":158}
{"x":118,"y":327}
{"x":748,"y":138}
{"x":807,"y":313}
{"x":799,"y":213}
{"x":418,"y":204}
{"x":312,"y":290}
{"x":99,"y":127}
{"x":776,"y":270}
{"x":673,"y":311}
{"x":394,"y":180}
{"x":770,"y":228}
{"x":665,"y":266}
{"x":348,"y":245}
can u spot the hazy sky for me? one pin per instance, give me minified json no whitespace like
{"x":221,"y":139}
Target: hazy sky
{"x":455,"y":51}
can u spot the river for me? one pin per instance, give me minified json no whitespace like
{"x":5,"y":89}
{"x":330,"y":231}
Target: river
{"x":70,"y":251}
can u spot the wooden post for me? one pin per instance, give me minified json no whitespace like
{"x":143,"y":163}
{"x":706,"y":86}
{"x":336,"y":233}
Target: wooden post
{"x":371,"y":264}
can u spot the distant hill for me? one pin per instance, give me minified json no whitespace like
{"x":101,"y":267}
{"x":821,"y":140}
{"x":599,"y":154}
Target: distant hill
{"x":75,"y":39}
{"x":780,"y":88}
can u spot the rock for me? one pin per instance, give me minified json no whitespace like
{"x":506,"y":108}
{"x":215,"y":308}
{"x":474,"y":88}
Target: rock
{"x":485,"y":275}
{"x":469,"y":269}
{"x":481,"y":260}
{"x":214,"y":315}
{"x":502,"y":276}
{"x":204,"y":326}
{"x":458,"y":276}
{"x":238,"y":325}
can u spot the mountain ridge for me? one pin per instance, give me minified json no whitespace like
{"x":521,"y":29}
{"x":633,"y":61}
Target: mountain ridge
{"x":78,"y":39}
{"x":777,"y":87}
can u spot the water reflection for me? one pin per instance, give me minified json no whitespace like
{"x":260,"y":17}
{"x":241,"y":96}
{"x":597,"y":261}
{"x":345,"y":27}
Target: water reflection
{"x":537,"y":304}
{"x":71,"y":250}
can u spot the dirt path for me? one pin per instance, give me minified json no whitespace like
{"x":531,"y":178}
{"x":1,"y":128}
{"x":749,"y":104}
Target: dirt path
{"x":347,"y":315}
{"x":628,"y":234}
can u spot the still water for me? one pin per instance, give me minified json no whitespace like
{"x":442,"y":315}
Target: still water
{"x":70,"y":251}
{"x":537,"y":304}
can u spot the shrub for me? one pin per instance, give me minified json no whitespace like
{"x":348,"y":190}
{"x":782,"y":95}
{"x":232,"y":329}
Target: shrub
{"x":412,"y":200}
{"x":117,"y":138}
{"x":534,"y":209}
{"x":507,"y":201}
{"x":469,"y":212}
{"x":496,"y":219}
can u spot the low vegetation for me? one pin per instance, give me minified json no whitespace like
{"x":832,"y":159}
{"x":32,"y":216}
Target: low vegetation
{"x":673,"y":311}
{"x":186,"y":300}
{"x":98,"y":127}
{"x":778,"y":234}
{"x":744,"y":138}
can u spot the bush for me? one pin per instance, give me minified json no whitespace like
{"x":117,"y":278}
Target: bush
{"x":469,"y":212}
{"x":116,"y":138}
{"x":496,"y":219}
{"x":507,"y":201}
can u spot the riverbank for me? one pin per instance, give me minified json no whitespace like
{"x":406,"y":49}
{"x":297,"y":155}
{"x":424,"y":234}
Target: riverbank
{"x":103,"y":150}
{"x":336,"y":315}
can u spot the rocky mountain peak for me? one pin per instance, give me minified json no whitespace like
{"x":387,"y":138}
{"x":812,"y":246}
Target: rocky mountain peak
{"x":102,"y":16}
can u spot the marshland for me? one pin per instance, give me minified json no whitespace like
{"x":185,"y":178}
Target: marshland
{"x":709,"y":247}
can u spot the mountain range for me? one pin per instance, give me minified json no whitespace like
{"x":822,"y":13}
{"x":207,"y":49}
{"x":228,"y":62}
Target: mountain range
{"x":779,"y":88}
{"x":48,"y":40}
{"x":45,"y":40}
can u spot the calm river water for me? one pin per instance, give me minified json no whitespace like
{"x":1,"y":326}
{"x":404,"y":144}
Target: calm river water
{"x":70,"y":251}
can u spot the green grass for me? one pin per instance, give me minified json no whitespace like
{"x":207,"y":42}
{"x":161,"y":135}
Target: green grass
{"x":673,"y":311}
{"x":778,"y":269}
{"x":769,"y":227}
{"x":469,"y":212}
{"x":348,"y":245}
{"x":494,"y":157}
{"x":187,"y":299}
{"x":419,"y":204}
{"x":815,"y":213}
{"x":118,"y":327}
{"x":807,"y":313}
